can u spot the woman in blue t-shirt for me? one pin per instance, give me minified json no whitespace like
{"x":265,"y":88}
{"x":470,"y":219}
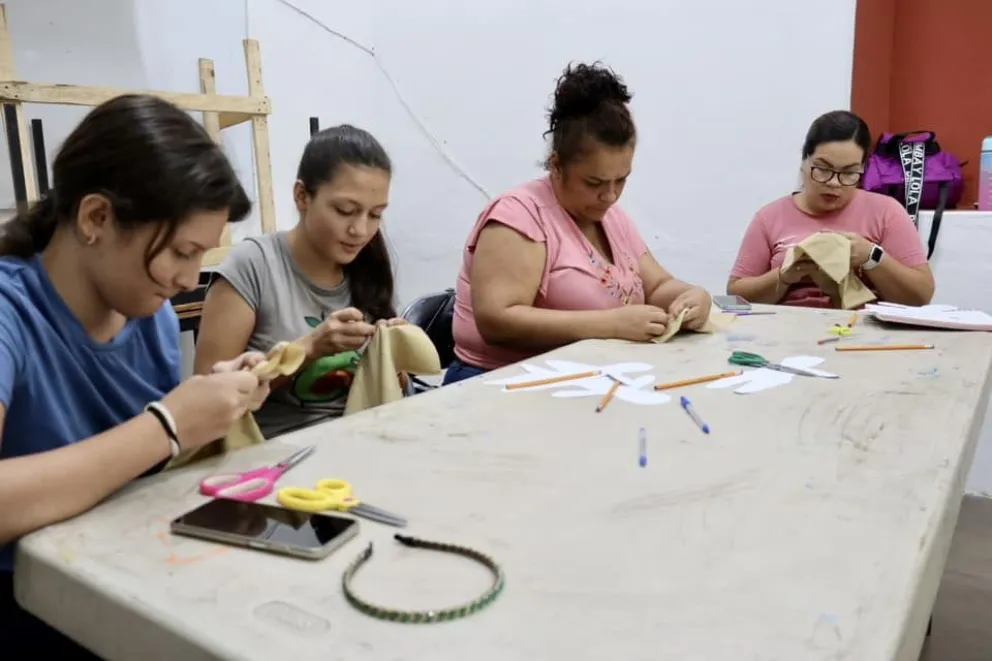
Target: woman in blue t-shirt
{"x":90,"y":394}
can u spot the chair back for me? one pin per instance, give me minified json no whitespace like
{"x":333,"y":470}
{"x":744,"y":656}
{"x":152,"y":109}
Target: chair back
{"x":434,"y":314}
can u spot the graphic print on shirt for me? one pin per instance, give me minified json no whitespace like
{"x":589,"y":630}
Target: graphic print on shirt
{"x":608,"y":276}
{"x":326,"y":379}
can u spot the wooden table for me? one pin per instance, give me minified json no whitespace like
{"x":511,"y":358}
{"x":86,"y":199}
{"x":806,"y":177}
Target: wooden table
{"x":813,"y":523}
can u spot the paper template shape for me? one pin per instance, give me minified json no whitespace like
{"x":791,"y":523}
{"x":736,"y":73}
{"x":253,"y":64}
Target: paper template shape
{"x":717,"y":321}
{"x":832,"y":254}
{"x":756,"y":380}
{"x":633,"y":390}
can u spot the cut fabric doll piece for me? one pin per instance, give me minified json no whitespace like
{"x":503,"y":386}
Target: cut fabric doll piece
{"x":832,"y":255}
{"x":393,"y":349}
{"x":285,"y":358}
{"x":717,"y":321}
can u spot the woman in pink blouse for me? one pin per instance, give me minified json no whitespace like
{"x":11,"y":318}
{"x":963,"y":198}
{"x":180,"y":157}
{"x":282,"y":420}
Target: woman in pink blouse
{"x":556,"y":260}
{"x":886,"y":250}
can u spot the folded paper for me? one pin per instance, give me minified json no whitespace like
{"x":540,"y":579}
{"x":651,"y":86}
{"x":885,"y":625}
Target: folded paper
{"x":831,"y":253}
{"x":715,"y":322}
{"x":283,"y":359}
{"x":393,"y":349}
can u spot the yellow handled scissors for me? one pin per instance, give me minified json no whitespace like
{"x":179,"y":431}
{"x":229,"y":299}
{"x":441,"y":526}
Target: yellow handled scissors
{"x":333,"y":494}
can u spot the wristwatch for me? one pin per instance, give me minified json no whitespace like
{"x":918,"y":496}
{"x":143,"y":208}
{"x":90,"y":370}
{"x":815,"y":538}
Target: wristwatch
{"x":875,"y":256}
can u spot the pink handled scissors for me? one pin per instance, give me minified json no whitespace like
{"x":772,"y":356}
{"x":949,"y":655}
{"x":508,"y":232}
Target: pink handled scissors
{"x":251,"y":485}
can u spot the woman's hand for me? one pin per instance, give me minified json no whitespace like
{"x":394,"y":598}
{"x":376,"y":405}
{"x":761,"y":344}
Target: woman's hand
{"x":344,"y":330}
{"x":205,"y":407}
{"x":860,"y":249}
{"x":638,"y":323}
{"x":248,"y":361}
{"x":395,"y":321}
{"x":697,"y":303}
{"x":801,"y":270}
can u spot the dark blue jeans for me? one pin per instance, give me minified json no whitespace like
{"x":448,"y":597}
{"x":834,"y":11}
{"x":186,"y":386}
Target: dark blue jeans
{"x":459,"y":371}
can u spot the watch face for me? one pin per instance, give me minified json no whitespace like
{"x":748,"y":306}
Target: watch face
{"x":876,"y":254}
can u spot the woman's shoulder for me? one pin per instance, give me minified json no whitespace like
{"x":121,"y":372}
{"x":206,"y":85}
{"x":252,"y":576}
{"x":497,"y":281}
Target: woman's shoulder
{"x":777,"y":206}
{"x":877,"y":203}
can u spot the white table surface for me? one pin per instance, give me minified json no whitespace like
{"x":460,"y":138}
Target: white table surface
{"x":813,"y":523}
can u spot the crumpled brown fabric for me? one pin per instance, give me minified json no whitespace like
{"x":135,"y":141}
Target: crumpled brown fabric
{"x":832,"y":254}
{"x":284,"y":358}
{"x":717,"y":321}
{"x":393,"y":349}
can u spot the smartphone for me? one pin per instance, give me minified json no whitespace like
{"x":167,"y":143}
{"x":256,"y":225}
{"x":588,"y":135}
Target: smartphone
{"x":267,"y":528}
{"x":731,"y":303}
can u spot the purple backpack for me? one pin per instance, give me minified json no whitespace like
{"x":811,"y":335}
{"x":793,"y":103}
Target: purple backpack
{"x":911,"y":168}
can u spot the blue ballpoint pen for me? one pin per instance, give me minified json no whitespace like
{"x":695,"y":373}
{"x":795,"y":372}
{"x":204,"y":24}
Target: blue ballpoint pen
{"x":643,"y":443}
{"x":687,"y":407}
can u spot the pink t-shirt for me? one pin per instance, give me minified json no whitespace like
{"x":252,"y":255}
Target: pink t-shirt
{"x":878,"y":218}
{"x":576,"y":276}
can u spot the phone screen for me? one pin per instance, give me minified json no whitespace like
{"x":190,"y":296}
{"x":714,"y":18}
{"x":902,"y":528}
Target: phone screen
{"x":266,"y":523}
{"x":731,"y":303}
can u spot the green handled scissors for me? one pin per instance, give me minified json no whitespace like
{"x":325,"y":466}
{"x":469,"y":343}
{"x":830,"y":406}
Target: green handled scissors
{"x":746,"y":359}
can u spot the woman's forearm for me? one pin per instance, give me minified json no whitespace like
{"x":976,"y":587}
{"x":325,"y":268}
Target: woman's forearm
{"x":898,"y":283}
{"x":526,"y":327}
{"x":665,"y":293}
{"x":41,"y":489}
{"x":767,"y":288}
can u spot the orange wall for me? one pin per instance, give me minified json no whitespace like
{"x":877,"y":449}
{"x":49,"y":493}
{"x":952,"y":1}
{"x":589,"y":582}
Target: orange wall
{"x":927,"y":64}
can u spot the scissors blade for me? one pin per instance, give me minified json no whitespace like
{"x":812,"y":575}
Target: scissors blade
{"x":296,"y":457}
{"x":376,"y":514}
{"x":799,"y":371}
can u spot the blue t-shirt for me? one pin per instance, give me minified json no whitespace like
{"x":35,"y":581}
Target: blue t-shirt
{"x":57,"y":384}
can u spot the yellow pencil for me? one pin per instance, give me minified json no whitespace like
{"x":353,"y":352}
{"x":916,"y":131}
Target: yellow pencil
{"x":887,"y":347}
{"x":550,"y":380}
{"x":853,"y":320}
{"x":698,"y":379}
{"x":608,"y":397}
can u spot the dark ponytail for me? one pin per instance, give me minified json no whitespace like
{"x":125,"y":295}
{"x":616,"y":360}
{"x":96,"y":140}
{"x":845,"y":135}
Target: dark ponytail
{"x":370,"y":275}
{"x":30,"y":230}
{"x":150,"y":159}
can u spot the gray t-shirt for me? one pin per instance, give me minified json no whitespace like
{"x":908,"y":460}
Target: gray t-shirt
{"x":287,"y":306}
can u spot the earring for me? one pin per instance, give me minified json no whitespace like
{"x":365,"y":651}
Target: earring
{"x":90,"y":240}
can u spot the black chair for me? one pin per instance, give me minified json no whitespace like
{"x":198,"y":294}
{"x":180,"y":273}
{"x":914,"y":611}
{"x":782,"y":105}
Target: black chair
{"x":434,"y":313}
{"x":189,"y":304}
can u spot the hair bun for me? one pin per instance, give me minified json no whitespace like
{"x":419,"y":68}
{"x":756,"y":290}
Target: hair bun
{"x":583,"y":88}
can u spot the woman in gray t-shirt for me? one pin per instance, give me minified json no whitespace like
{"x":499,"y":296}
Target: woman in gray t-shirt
{"x":324,"y":283}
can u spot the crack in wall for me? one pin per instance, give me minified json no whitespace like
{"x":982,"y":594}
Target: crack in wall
{"x":424,"y":131}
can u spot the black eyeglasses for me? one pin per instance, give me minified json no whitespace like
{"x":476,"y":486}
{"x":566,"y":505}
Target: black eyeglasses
{"x":822,"y":175}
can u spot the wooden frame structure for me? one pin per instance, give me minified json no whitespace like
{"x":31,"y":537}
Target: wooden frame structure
{"x":220,"y":111}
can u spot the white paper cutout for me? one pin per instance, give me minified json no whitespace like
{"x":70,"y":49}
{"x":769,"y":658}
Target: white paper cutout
{"x":634,"y":389}
{"x":756,"y":380}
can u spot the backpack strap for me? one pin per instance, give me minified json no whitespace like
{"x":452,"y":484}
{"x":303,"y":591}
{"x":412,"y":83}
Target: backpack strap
{"x":912,"y":155}
{"x":938,"y":214}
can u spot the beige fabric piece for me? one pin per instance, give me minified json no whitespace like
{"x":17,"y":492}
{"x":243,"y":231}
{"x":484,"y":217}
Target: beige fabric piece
{"x":283,"y":359}
{"x":393,"y":349}
{"x":832,"y":254}
{"x":717,"y":321}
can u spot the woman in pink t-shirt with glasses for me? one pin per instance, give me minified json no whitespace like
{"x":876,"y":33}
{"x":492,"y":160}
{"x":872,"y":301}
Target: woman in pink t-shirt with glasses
{"x":556,"y":260}
{"x":886,"y":251}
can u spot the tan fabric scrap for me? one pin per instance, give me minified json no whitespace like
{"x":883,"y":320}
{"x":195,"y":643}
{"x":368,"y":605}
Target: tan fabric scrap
{"x":393,"y":349}
{"x":832,"y":254}
{"x":716,"y":322}
{"x":284,"y":358}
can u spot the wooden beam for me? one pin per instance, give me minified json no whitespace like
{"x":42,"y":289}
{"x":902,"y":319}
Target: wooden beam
{"x":229,"y":119}
{"x":77,"y":95}
{"x":260,"y":139}
{"x":215,"y":256}
{"x":211,"y":121}
{"x":7,"y":71}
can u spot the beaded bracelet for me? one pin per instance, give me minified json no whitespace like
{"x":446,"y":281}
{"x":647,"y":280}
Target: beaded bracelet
{"x":415,"y":617}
